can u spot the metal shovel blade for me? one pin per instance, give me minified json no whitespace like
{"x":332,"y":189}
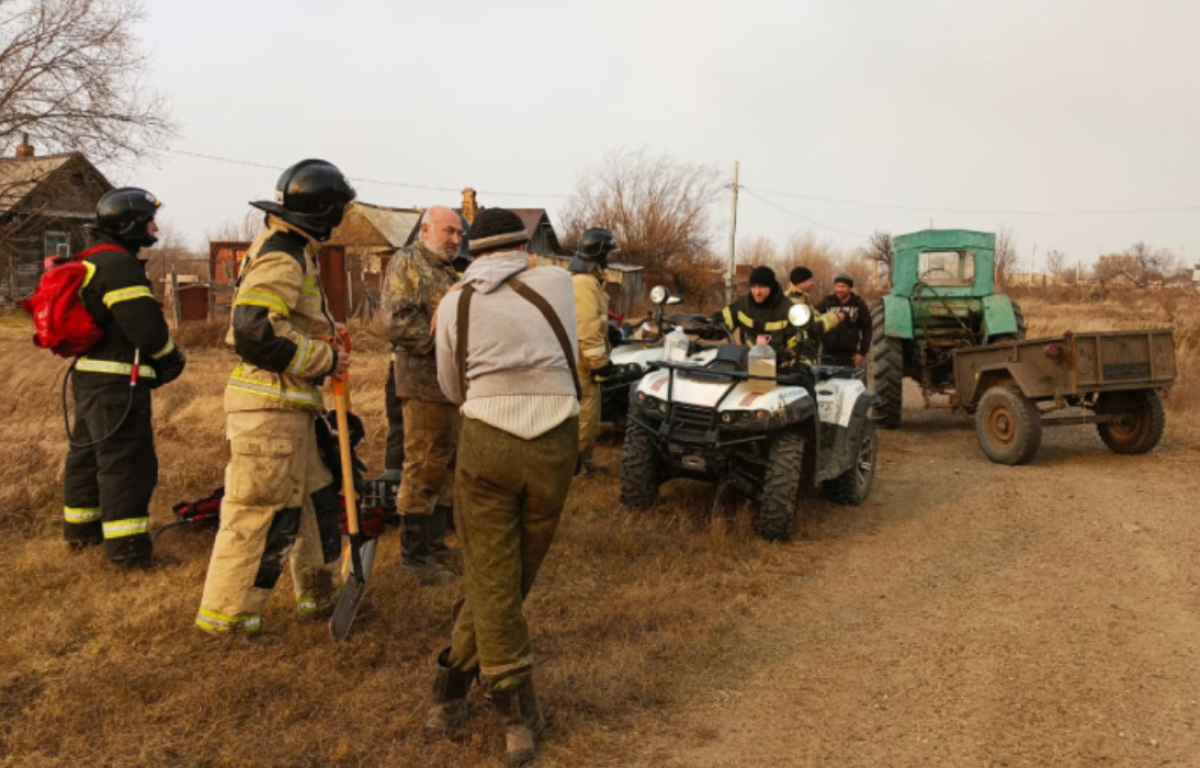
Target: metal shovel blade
{"x":361,"y":562}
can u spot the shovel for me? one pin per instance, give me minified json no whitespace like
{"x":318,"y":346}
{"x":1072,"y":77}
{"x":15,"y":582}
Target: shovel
{"x":361,"y":551}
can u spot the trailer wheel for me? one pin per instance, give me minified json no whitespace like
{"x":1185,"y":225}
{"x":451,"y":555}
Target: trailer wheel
{"x":1008,"y":425}
{"x":1138,"y":420}
{"x":886,"y":372}
{"x":781,"y":487}
{"x":853,"y":486}
{"x":641,"y":469}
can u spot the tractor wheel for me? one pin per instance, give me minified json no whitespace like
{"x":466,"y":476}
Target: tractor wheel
{"x":854,"y":485}
{"x":1138,"y":423}
{"x":641,"y":469}
{"x":1008,"y":425}
{"x":1019,"y":335}
{"x":886,"y":372}
{"x":781,"y":487}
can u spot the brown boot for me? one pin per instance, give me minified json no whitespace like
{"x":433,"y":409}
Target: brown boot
{"x":522,"y":720}
{"x":448,"y":707}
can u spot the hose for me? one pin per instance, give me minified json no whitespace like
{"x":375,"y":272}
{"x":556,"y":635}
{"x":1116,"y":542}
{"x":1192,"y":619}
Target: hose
{"x":71,"y":441}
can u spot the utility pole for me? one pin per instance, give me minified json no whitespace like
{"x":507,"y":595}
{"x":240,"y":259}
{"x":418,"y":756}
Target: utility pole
{"x":1032,"y":264}
{"x":732,"y":239}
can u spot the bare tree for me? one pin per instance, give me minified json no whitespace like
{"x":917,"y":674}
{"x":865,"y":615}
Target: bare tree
{"x":1005,"y":255}
{"x":244,"y":229}
{"x":879,"y":249}
{"x":1054,"y":266}
{"x":659,"y":210}
{"x":71,"y":78}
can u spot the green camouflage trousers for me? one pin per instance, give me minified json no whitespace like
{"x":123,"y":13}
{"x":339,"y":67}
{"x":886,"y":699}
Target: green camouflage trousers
{"x":508,"y":497}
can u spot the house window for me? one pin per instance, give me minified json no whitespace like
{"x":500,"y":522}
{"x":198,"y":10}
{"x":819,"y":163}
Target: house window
{"x":57,"y":244}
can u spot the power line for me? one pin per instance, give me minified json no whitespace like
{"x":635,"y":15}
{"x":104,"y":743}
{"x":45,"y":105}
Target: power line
{"x":363,"y":180}
{"x":1000,"y":212}
{"x":802,"y":217}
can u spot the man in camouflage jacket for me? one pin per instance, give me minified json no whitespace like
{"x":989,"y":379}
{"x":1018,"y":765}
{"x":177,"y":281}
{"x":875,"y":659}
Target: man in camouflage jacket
{"x":417,"y":278}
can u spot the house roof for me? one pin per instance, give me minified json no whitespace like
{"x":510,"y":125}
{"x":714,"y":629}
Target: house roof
{"x":395,"y":224}
{"x":20,"y":175}
{"x":532,"y":218}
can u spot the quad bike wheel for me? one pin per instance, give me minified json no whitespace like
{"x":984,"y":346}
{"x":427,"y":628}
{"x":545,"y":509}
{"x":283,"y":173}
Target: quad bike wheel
{"x":853,"y":486}
{"x":641,"y":469}
{"x":781,"y":487}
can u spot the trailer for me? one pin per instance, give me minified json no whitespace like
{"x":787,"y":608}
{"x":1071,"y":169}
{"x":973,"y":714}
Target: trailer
{"x":1112,"y":379}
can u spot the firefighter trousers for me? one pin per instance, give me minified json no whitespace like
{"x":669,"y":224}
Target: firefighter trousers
{"x":508,"y":497}
{"x":589,"y":415}
{"x":393,"y":457}
{"x":430,"y":437}
{"x":280,"y":504}
{"x":107,"y":485}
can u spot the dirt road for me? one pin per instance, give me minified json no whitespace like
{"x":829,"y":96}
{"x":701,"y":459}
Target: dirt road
{"x":973,"y":614}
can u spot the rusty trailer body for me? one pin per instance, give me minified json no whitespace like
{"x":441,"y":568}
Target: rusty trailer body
{"x":1110,"y":379}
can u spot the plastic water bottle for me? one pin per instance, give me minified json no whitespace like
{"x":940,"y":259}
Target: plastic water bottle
{"x":761,"y":362}
{"x":677,"y":344}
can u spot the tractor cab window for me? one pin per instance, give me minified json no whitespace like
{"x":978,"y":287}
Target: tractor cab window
{"x":947,"y":267}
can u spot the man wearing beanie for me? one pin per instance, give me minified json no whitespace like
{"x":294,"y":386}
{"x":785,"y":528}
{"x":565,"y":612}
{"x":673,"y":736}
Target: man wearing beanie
{"x":506,"y":351}
{"x":762,"y":311}
{"x":849,"y":343}
{"x":808,"y":349}
{"x":417,"y":279}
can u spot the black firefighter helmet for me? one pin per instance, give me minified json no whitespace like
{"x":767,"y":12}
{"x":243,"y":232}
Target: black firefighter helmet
{"x":593,"y":249}
{"x":125,"y":214}
{"x":311,"y":195}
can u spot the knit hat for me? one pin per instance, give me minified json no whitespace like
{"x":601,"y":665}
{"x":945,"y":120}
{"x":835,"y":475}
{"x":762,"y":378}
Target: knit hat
{"x":494,"y":227}
{"x":799,"y":275}
{"x":764,"y":276}
{"x":842,"y":277}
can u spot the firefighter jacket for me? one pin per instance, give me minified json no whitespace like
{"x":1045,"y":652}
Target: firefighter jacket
{"x":119,"y":298}
{"x":853,"y":335}
{"x":281,"y":328}
{"x":809,"y":344}
{"x":591,"y":314}
{"x":417,"y":279}
{"x":770,"y":318}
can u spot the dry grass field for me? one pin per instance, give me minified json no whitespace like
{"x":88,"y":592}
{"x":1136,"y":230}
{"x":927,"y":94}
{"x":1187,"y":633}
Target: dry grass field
{"x":968,"y":614}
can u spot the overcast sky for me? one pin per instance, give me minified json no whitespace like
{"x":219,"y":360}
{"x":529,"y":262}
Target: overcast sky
{"x":1064,"y":120}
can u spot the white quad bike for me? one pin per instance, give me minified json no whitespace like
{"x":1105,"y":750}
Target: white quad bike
{"x":631,"y":358}
{"x":698,"y":419}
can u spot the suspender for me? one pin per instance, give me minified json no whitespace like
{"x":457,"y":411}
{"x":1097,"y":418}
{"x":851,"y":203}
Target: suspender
{"x":534,"y":298}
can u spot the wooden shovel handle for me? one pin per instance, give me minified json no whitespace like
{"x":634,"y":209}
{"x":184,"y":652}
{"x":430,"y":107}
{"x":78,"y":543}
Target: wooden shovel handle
{"x":341,"y":404}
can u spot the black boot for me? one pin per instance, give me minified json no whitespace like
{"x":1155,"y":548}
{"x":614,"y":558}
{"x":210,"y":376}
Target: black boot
{"x":522,"y":720}
{"x":448,"y":708}
{"x":415,"y":553}
{"x":438,"y":525}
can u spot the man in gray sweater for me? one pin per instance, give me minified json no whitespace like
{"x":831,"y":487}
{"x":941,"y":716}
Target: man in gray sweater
{"x":506,"y":353}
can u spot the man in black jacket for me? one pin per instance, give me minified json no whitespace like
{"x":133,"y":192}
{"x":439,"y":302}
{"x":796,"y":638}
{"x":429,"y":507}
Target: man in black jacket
{"x":112,"y":468}
{"x":848,"y":343}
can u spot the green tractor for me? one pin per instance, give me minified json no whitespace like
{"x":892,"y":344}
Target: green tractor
{"x":943,"y":298}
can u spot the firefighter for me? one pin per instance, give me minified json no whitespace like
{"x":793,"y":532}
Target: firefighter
{"x":591,"y":315}
{"x":112,"y":468}
{"x":808,"y":347}
{"x":417,"y":278}
{"x":763,"y":311}
{"x":280,"y":499}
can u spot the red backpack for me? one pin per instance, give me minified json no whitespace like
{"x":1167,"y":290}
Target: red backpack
{"x":61,"y":323}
